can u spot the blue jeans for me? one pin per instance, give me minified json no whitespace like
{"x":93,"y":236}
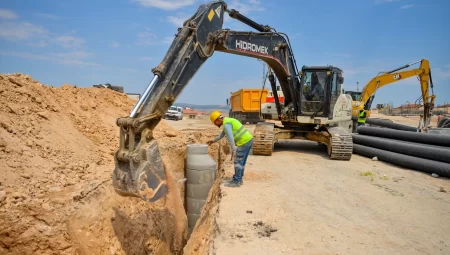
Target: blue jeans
{"x":240,"y":159}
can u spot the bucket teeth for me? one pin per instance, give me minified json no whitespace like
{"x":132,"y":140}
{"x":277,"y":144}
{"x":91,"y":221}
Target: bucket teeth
{"x":144,"y":178}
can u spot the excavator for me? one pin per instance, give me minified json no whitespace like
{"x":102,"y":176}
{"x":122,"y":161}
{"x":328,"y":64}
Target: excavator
{"x":314,"y":107}
{"x":364,"y":99}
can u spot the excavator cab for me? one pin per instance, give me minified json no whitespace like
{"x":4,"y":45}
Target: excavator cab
{"x":321,"y":87}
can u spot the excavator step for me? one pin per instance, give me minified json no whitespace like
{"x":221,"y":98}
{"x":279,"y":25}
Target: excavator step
{"x":263,"y":139}
{"x":341,"y":144}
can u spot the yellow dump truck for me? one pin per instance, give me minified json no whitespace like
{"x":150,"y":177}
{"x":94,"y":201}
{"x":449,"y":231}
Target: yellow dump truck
{"x":246,"y":104}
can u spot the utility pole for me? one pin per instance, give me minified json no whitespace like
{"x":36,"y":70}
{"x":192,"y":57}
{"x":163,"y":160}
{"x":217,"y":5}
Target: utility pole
{"x":357,"y":87}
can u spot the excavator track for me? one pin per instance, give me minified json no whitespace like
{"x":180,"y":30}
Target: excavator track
{"x":341,"y":144}
{"x":263,"y":139}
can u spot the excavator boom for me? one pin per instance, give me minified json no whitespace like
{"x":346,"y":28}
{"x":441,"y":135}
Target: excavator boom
{"x":139,"y":170}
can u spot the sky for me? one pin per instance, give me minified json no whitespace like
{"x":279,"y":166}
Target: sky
{"x":102,"y":41}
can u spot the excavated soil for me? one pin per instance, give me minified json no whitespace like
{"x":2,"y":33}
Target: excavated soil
{"x":56,"y":160}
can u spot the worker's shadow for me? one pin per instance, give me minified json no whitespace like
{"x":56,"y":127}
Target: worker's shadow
{"x":149,"y":232}
{"x":302,"y":146}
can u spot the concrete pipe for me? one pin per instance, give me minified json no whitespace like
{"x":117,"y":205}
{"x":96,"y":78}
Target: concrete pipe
{"x":200,"y":175}
{"x":419,"y":164}
{"x":390,"y":124}
{"x":425,"y":138}
{"x":427,"y":151}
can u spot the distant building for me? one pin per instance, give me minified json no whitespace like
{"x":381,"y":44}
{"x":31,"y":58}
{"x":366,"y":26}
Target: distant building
{"x":191,"y":113}
{"x":408,"y":109}
{"x":443,"y":109}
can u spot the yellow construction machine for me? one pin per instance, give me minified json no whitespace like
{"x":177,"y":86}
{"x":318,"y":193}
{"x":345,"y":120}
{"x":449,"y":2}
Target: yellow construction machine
{"x":364,"y":99}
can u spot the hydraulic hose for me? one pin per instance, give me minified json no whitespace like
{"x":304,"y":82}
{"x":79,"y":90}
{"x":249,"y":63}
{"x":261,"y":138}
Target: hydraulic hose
{"x":419,"y":164}
{"x":426,"y":151}
{"x":425,"y":138}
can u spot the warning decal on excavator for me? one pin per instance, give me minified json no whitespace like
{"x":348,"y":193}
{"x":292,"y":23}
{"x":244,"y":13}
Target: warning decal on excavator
{"x":218,"y":11}
{"x":211,"y":14}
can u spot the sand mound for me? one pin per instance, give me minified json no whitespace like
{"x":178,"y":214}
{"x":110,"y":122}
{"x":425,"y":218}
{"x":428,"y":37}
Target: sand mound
{"x":56,"y":196}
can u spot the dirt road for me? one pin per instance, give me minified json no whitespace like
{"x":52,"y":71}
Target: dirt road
{"x":303,"y":203}
{"x":299,"y":202}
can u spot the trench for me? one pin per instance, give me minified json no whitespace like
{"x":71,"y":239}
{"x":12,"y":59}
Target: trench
{"x":56,"y":194}
{"x":138,"y":227}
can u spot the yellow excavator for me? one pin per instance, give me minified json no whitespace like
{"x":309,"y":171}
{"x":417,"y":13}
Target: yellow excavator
{"x":364,"y":99}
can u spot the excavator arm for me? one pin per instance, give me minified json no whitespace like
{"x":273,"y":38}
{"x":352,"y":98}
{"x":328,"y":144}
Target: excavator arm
{"x":139,"y":169}
{"x":426,"y":83}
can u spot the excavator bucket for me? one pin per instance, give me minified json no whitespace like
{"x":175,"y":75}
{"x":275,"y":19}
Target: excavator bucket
{"x":141,"y":173}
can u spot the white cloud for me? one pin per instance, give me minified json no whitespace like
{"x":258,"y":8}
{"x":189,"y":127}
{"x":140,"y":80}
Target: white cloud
{"x":7,"y":14}
{"x":165,"y":4}
{"x":131,"y":70}
{"x":35,"y":35}
{"x":407,"y":6}
{"x":47,"y":16}
{"x":114,"y":44}
{"x":22,"y":31}
{"x":168,"y":39}
{"x":179,"y":19}
{"x":39,"y":44}
{"x":77,"y":58}
{"x":443,"y":72}
{"x":68,"y":41}
{"x":245,"y":7}
{"x":145,"y":58}
{"x":146,"y":38}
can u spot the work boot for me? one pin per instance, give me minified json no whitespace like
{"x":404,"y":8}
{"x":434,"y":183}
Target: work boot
{"x":233,"y":184}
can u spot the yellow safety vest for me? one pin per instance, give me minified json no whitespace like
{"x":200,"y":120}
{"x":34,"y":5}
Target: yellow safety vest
{"x":361,"y":118}
{"x":240,"y":133}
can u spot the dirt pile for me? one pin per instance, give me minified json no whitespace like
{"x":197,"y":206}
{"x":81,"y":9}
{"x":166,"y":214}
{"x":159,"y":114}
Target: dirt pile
{"x":56,"y":196}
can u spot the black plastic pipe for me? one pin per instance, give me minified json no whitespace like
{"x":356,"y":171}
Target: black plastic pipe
{"x":427,"y":151}
{"x":444,"y":123}
{"x":441,"y":122}
{"x":425,"y":138}
{"x":390,"y":124}
{"x":419,"y":164}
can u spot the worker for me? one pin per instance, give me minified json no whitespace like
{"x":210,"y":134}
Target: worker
{"x":362,"y":118}
{"x":317,"y":91}
{"x":240,"y":140}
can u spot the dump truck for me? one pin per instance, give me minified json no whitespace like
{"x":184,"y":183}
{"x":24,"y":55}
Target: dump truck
{"x":246,"y":104}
